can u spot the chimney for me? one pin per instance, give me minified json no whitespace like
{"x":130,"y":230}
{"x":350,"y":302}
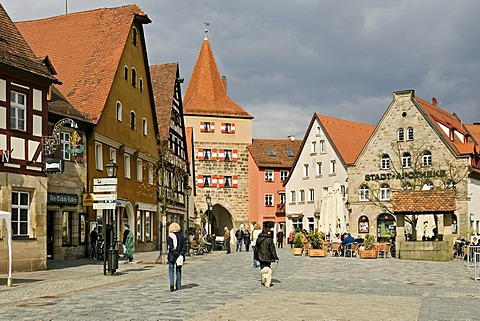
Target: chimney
{"x":224,"y":82}
{"x":434,"y":101}
{"x":291,"y":137}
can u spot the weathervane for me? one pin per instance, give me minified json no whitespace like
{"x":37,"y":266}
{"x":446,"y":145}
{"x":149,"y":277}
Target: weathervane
{"x":207,"y":24}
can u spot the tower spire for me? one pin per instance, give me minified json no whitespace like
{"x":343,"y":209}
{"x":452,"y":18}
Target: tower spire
{"x":207,"y":24}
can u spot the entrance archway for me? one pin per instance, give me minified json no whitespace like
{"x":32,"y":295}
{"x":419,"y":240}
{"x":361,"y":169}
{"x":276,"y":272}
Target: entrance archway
{"x":221,"y":217}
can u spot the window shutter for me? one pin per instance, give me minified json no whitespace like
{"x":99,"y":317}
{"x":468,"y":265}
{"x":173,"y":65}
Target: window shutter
{"x":212,"y":127}
{"x":233,"y":128}
{"x":222,"y":128}
{"x":235,"y":181}
{"x":221,"y":155}
{"x":200,"y":180}
{"x":202,"y":127}
{"x":200,"y":154}
{"x":214,"y":154}
{"x":235,"y":155}
{"x":220,"y":181}
{"x":214,"y":181}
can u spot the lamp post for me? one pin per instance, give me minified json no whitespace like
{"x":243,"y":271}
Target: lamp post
{"x":188,"y":192}
{"x":208,"y":198}
{"x":111,"y":170}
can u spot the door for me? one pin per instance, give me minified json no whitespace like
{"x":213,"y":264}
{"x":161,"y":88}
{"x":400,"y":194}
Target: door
{"x":50,"y":236}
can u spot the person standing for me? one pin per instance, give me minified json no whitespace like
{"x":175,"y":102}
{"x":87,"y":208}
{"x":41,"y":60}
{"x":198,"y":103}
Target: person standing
{"x":125,"y":234}
{"x":257,"y":229}
{"x":265,"y":249}
{"x":226,"y":239}
{"x":280,"y":239}
{"x":128,"y":254}
{"x":93,"y":242}
{"x":239,"y":234}
{"x":247,"y":240}
{"x":290,"y":239}
{"x":176,"y":247}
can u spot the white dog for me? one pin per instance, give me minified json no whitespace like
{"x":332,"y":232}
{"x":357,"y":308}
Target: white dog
{"x":266,"y":276}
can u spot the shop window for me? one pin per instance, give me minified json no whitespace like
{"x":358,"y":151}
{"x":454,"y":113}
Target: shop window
{"x":297,"y":223}
{"x":20,"y":213}
{"x":66,"y":228}
{"x":140,"y":226}
{"x":385,"y":227}
{"x":148,"y":226}
{"x":363,"y":224}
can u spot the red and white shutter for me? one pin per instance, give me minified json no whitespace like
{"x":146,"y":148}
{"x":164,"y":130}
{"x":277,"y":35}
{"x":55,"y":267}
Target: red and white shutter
{"x":202,"y":127}
{"x":212,"y":127}
{"x":222,"y":128}
{"x":235,"y":182}
{"x":200,"y":180}
{"x":214,"y":181}
{"x":233,"y":128}
{"x":221,"y":155}
{"x":214,"y":154}
{"x":200,"y":154}
{"x":235,"y":155}
{"x":221,"y":181}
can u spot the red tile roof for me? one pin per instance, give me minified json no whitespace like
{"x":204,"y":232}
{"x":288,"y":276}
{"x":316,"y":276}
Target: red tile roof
{"x":259,"y":152}
{"x":163,"y":84}
{"x":474,"y":130}
{"x":16,"y":52}
{"x":206,"y":94}
{"x":85,"y":49}
{"x":431,"y":201}
{"x":348,"y":137}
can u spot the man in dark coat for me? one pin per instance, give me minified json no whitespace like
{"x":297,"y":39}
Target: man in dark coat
{"x":265,"y":252}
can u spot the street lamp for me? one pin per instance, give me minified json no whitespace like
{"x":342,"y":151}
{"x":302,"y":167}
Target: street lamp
{"x":111,"y":171}
{"x":208,"y":198}
{"x":188,"y":192}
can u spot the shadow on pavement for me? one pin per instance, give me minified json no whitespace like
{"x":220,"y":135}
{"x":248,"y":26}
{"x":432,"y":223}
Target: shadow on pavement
{"x":55,"y":265}
{"x":20,"y":281}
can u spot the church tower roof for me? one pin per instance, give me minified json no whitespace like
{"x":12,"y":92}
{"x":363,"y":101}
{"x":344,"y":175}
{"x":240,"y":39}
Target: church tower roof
{"x":206,"y":93}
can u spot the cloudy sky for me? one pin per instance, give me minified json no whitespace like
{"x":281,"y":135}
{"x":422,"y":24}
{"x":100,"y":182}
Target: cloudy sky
{"x":286,"y":59}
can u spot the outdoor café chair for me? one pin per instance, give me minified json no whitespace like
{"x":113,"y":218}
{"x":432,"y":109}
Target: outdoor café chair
{"x":351,"y":248}
{"x":336,"y":249}
{"x":384,"y":250}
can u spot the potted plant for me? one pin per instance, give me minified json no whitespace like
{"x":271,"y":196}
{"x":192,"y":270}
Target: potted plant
{"x":368,"y":252}
{"x":297,"y":243}
{"x":315,"y":238}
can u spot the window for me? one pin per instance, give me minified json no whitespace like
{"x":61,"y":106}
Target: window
{"x":268,"y":200}
{"x":20,"y":213}
{"x":363,"y":224}
{"x":134,"y":77}
{"x":319,"y":168}
{"x":144,"y":126}
{"x":385,"y":163}
{"x":98,"y":156}
{"x":311,"y":195}
{"x":228,"y":128}
{"x":283,"y":198}
{"x":333,"y":167}
{"x":428,"y":185}
{"x":301,"y":197}
{"x":133,"y":120}
{"x":400,"y":135}
{"x":293,"y":197}
{"x":66,"y":228}
{"x":297,"y":223}
{"x":150,"y":173}
{"x":65,"y":144}
{"x":126,"y":162}
{"x":207,"y":154}
{"x":319,"y":131}
{"x":406,"y":160}
{"x":139,"y":170}
{"x":140,"y":84}
{"x":311,"y":223}
{"x":113,"y":155}
{"x":134,"y":36}
{"x":384,"y":192}
{"x":450,"y":184}
{"x":227,"y":181}
{"x":207,"y":127}
{"x":207,"y":180}
{"x":119,"y":111}
{"x":283,"y":175}
{"x":409,"y":133}
{"x":125,"y":72}
{"x":270,"y":152}
{"x":18,"y":103}
{"x":427,"y":159}
{"x":363,"y":193}
{"x":305,"y":170}
{"x":313,"y":148}
{"x":228,"y":155}
{"x":140,"y":226}
{"x":268,"y":176}
{"x":289,"y":153}
{"x":322,"y":146}
{"x":148,"y":226}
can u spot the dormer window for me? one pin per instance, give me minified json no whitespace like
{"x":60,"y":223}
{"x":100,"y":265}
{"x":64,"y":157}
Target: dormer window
{"x":289,"y":153}
{"x":134,"y":36}
{"x":271,"y":152}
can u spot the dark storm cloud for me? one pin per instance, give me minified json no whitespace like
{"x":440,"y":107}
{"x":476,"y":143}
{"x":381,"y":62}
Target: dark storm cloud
{"x":287,"y":59}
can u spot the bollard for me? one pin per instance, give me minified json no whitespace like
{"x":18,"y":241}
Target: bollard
{"x":112,"y":257}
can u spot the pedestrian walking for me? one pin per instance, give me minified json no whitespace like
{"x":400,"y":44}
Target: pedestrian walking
{"x":239,"y":235}
{"x":125,"y":234}
{"x":128,"y":254}
{"x":93,"y":242}
{"x":247,"y":240}
{"x":280,"y":239}
{"x":290,"y":239}
{"x":265,"y":252}
{"x":257,"y":229}
{"x":226,"y":239}
{"x":177,"y":247}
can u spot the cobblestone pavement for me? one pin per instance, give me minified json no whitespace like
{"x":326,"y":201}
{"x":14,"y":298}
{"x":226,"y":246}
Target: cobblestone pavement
{"x":226,"y":287}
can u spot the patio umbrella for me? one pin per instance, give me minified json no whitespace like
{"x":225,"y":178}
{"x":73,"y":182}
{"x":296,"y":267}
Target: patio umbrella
{"x":330,"y":209}
{"x":339,"y":207}
{"x":323,"y":226}
{"x":425,"y":226}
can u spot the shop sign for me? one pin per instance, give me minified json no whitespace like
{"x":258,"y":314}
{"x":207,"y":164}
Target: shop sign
{"x":406,"y":175}
{"x":62,"y":199}
{"x":88,"y":199}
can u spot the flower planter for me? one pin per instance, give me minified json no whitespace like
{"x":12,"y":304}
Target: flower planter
{"x":316,"y":252}
{"x":368,"y":254}
{"x":297,"y":251}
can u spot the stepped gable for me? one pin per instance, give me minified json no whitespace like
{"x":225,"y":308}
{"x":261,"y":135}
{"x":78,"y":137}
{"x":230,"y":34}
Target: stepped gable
{"x":85,"y":48}
{"x":259,"y":151}
{"x":348,"y":137}
{"x":16,"y":52}
{"x":206,"y":93}
{"x":163,"y":84}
